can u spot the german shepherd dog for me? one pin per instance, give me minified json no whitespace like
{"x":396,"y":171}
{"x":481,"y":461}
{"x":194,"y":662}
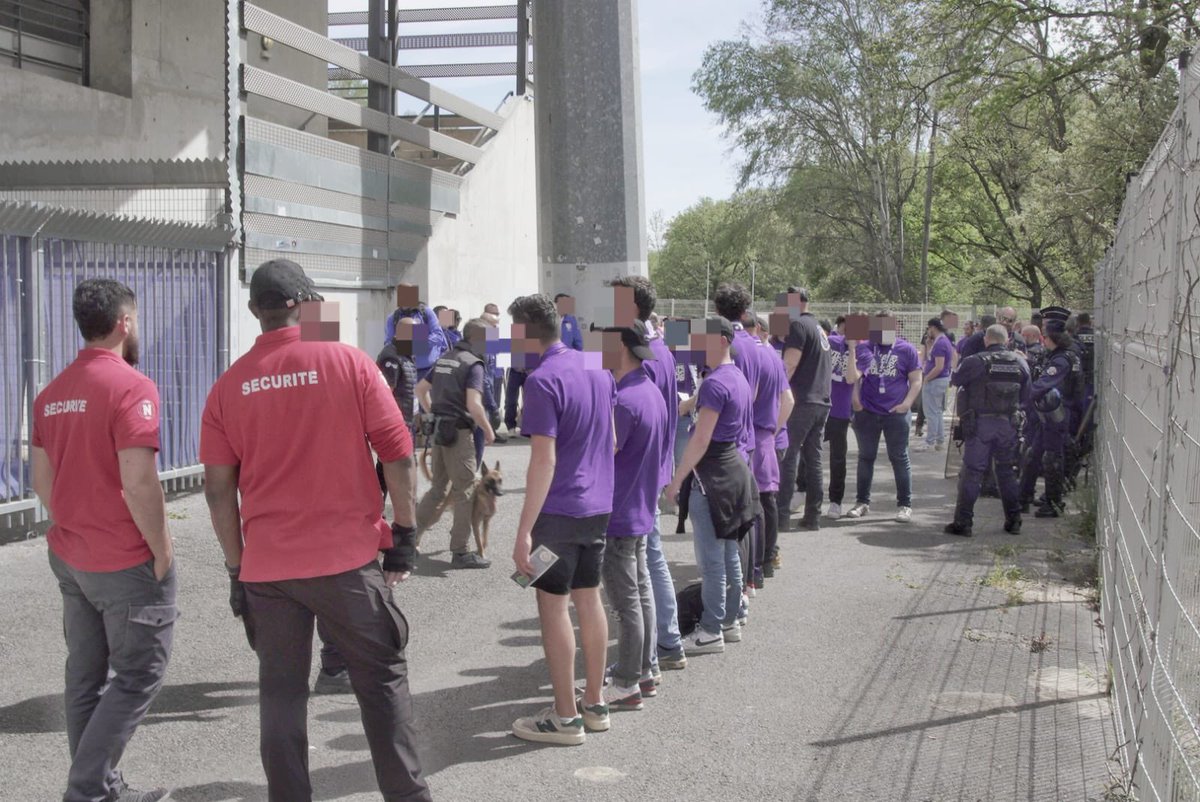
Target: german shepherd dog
{"x":483,"y":493}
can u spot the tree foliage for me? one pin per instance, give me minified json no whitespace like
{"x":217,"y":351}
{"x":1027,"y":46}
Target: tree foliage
{"x":1042,"y":108}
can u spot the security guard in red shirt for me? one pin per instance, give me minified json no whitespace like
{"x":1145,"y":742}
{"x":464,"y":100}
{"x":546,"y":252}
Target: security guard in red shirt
{"x":285,"y":426}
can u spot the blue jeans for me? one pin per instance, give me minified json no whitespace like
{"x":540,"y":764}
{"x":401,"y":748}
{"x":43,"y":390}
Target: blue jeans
{"x":662,"y":587}
{"x":894,"y":428}
{"x":682,"y":436}
{"x":720,"y":568}
{"x":933,"y":401}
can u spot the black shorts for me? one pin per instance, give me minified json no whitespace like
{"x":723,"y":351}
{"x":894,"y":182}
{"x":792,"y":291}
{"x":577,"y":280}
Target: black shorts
{"x":579,"y":544}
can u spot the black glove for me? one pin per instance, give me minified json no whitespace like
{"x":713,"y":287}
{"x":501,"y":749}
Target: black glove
{"x":494,"y":419}
{"x":237,"y":592}
{"x":402,"y":556}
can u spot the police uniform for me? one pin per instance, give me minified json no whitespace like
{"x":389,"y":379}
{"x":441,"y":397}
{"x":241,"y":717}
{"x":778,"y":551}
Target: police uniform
{"x":995,"y":385}
{"x":1056,"y":384}
{"x":453,"y":449}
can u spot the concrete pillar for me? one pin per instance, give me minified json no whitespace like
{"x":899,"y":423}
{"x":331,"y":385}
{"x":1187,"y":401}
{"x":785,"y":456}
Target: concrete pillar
{"x":587,"y":97}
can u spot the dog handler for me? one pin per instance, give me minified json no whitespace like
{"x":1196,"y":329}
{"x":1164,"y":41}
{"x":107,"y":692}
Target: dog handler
{"x":453,"y":392}
{"x":95,"y":437}
{"x":285,"y":426}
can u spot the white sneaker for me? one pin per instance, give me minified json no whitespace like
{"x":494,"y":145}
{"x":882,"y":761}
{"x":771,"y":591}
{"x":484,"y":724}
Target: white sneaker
{"x":921,"y":448}
{"x":939,"y":447}
{"x":858,"y":510}
{"x":904,"y":515}
{"x":797,"y":504}
{"x":732,"y":633}
{"x":834,"y":511}
{"x":701,"y":642}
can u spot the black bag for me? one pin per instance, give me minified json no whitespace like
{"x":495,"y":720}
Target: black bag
{"x":690,"y":606}
{"x":445,"y":432}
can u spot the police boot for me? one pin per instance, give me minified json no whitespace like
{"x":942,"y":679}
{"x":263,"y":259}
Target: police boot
{"x":1012,"y":524}
{"x":1048,"y":510}
{"x":955,"y":528}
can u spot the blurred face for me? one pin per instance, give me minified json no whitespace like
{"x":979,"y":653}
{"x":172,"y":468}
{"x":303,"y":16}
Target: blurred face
{"x":131,"y":352}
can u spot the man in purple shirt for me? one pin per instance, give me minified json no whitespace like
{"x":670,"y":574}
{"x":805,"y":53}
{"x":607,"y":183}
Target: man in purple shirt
{"x":934,"y":381}
{"x":640,"y":421}
{"x":732,"y":301}
{"x":634,"y":297}
{"x":723,"y":498}
{"x":568,"y":415}
{"x":890,"y":381}
{"x":844,"y":368}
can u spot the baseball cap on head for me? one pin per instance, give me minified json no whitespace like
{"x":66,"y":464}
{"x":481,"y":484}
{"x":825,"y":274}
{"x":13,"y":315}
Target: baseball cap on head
{"x":635,"y":338}
{"x":281,"y":284}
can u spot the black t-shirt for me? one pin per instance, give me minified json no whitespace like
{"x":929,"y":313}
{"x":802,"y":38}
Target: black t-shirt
{"x":814,"y":375}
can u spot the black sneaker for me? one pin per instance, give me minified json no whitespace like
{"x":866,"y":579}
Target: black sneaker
{"x":1025,"y":507}
{"x":330,"y":683}
{"x":768,"y":568}
{"x":123,"y":793}
{"x":469,"y":559}
{"x":1047,"y":510}
{"x":810,"y":524}
{"x":1012,"y":526}
{"x":955,"y":528}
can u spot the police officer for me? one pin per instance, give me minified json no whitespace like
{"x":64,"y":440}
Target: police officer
{"x":453,"y":393}
{"x":995,"y":384}
{"x":1082,"y":426}
{"x":1056,"y":386}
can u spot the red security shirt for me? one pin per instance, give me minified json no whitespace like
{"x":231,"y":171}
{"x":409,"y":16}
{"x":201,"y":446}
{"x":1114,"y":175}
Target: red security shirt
{"x":97,"y":406}
{"x":297,"y":417}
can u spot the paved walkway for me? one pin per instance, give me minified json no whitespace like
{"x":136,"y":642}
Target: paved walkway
{"x":884,"y":662}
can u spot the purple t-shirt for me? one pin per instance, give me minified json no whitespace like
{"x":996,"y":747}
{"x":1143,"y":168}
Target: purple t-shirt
{"x":747,"y":355}
{"x":772,"y":381}
{"x":841,"y":390}
{"x":941,"y":347}
{"x":574,"y":405}
{"x":726,"y":390}
{"x":662,"y":372}
{"x":885,"y":374}
{"x":641,"y":424}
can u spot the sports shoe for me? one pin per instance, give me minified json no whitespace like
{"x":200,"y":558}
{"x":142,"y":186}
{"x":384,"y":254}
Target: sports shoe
{"x":776,"y":559}
{"x":810,"y":524}
{"x":121,"y":792}
{"x":751,"y":591}
{"x":701,"y":642}
{"x":904,"y":515}
{"x":921,"y":448}
{"x":939,"y":447}
{"x":672,"y":662}
{"x":469,"y":559}
{"x":546,"y":728}
{"x":332,"y":683}
{"x":617,"y":698}
{"x":1047,"y":510}
{"x":797,"y":504}
{"x":833,"y":510}
{"x":858,"y":510}
{"x":955,"y":528}
{"x":1013,"y":525}
{"x":595,"y":717}
{"x":732,"y":633}
{"x":769,"y":567}
{"x":648,"y":687}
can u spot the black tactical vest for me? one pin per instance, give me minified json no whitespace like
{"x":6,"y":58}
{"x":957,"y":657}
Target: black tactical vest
{"x":449,"y":378}
{"x":998,"y":391}
{"x":1086,"y":337}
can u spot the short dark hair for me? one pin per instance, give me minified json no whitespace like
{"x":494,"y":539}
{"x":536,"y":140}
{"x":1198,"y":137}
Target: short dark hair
{"x":98,"y":303}
{"x":1060,"y":338}
{"x":826,"y":325}
{"x":1083,"y":319}
{"x":271,"y":319}
{"x":644,"y":296}
{"x":732,"y":301}
{"x":803,"y":293}
{"x":839,"y":320}
{"x":561,"y":295}
{"x":476,"y":327}
{"x":538,"y":315}
{"x":987,"y":320}
{"x":439,"y":308}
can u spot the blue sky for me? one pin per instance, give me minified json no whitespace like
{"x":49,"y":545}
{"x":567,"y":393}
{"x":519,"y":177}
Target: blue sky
{"x":686,"y":156}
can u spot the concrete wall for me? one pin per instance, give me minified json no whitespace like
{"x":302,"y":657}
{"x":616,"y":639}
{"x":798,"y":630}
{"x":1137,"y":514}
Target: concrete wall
{"x":489,"y":252}
{"x":176,"y":107}
{"x":363,"y":313}
{"x":281,"y":60}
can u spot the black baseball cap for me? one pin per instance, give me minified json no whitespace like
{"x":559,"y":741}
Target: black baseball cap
{"x":281,"y":284}
{"x":635,"y":338}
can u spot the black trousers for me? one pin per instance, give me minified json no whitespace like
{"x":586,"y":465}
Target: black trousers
{"x":770,"y":525}
{"x":836,"y":434}
{"x":356,"y":610}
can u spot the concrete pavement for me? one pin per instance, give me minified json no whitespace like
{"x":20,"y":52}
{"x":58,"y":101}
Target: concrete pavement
{"x":884,"y":662}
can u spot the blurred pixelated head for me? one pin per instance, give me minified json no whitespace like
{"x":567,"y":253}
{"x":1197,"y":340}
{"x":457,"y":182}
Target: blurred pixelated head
{"x":564,"y":304}
{"x":644,"y":296}
{"x":537,"y":318}
{"x":101,"y":306}
{"x":883,"y":328}
{"x":320,"y":321}
{"x":731,"y":301}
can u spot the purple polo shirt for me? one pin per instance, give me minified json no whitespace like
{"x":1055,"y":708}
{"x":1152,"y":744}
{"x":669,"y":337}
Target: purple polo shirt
{"x":885,"y":374}
{"x":641,"y":424}
{"x":726,"y":391}
{"x":574,"y":405}
{"x":747,"y":355}
{"x":772,"y":381}
{"x":840,"y":391}
{"x":662,"y":371}
{"x":941,"y":347}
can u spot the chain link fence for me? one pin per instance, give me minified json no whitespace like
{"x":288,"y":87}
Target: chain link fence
{"x":1149,"y":462}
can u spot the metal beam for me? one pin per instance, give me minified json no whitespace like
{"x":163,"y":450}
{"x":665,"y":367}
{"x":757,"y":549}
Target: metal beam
{"x":440,"y":41}
{"x":268,"y":85}
{"x":131,"y":174}
{"x":298,"y":37}
{"x":464,"y":70}
{"x":429,"y":15}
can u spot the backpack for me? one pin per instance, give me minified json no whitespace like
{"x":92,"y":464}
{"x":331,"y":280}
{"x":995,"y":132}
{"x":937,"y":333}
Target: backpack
{"x":690,"y":607}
